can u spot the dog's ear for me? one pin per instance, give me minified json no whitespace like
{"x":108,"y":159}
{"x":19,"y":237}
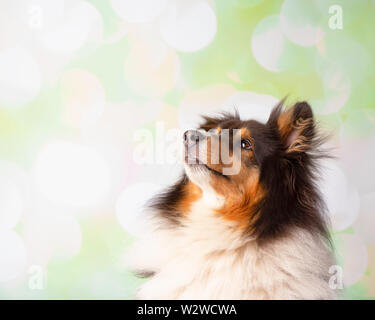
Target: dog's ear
{"x":295,"y":125}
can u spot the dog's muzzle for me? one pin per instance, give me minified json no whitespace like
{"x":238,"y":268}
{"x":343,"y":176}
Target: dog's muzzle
{"x":193,"y":142}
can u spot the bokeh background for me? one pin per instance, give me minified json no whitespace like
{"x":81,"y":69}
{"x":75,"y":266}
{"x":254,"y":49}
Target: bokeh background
{"x":78,"y":79}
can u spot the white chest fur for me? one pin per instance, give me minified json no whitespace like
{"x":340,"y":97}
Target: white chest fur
{"x":207,"y":258}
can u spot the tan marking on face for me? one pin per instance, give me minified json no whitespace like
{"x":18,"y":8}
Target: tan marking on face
{"x":245,"y":133}
{"x":242,"y":192}
{"x":214,"y":154}
{"x":241,"y":200}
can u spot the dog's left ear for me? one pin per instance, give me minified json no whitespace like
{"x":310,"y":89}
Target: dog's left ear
{"x":295,"y":125}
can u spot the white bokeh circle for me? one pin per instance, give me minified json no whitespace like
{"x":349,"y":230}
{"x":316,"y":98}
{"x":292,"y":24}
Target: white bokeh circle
{"x":71,"y":174}
{"x":268,"y":43}
{"x":82,"y":22}
{"x":131,"y":206}
{"x":357,"y":150}
{"x":151,"y":66}
{"x":342,"y":199}
{"x":353,"y":257}
{"x":13,"y":194}
{"x":166,"y":173}
{"x":344,"y":58}
{"x":337,"y":89}
{"x":13,"y":255}
{"x":83,"y":98}
{"x":300,"y":22}
{"x":50,"y":234}
{"x":11,"y":203}
{"x":365,"y":224}
{"x":20,"y":77}
{"x":139,"y":11}
{"x":188,"y":25}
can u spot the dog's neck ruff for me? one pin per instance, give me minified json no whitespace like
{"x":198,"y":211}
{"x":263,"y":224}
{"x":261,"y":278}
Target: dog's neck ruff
{"x":206,"y":257}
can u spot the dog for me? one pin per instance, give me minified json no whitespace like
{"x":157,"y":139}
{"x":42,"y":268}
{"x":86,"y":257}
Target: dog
{"x":260,"y":232}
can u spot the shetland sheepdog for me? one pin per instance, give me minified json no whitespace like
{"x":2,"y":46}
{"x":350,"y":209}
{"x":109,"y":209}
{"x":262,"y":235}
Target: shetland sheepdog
{"x":258,"y":233}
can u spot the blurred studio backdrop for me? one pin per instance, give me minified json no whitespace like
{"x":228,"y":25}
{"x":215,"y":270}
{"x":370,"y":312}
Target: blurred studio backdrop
{"x":83,"y":82}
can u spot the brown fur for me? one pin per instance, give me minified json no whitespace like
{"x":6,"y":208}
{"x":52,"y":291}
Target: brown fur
{"x":191,"y":193}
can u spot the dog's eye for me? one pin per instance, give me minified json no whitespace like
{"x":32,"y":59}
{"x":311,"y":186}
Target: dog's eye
{"x":246,"y":144}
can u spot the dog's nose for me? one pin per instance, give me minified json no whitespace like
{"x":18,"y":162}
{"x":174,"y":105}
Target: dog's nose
{"x":193,"y":136}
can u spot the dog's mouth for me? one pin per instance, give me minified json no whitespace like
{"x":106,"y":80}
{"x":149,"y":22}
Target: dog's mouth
{"x":218,"y":173}
{"x":206,"y":167}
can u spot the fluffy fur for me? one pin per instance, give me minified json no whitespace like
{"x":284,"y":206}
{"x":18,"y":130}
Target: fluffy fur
{"x":259,"y":234}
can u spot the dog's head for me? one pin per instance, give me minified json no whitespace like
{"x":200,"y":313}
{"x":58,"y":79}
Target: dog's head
{"x":262,"y":172}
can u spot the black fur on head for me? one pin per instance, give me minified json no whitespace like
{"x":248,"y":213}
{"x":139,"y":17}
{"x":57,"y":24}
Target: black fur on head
{"x":289,"y":175}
